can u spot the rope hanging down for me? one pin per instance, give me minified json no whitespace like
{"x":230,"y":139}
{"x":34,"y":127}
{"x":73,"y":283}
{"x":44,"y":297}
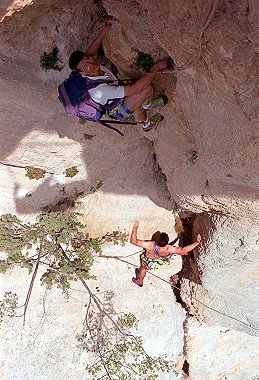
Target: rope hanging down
{"x":212,"y":6}
{"x":210,"y":13}
{"x":176,"y":287}
{"x":171,"y":69}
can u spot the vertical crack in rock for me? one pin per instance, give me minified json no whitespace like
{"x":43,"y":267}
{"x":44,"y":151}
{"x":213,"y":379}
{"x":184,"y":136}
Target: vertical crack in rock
{"x":189,"y":277}
{"x":186,"y":366}
{"x":190,"y":268}
{"x":188,"y":282}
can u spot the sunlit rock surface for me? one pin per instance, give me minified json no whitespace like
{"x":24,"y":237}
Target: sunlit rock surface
{"x":207,"y":147}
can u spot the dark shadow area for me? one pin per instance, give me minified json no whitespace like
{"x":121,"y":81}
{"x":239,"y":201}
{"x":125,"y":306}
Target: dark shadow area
{"x":34,"y":202}
{"x":186,"y":367}
{"x":190,"y":268}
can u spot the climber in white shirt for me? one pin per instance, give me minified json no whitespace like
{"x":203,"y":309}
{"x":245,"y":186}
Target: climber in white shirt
{"x":134,"y":99}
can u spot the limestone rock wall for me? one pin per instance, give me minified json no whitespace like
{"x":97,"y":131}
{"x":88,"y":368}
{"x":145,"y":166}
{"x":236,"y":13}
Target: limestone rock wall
{"x":210,"y":111}
{"x":207,"y":147}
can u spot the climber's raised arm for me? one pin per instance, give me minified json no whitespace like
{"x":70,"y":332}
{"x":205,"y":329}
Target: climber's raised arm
{"x":94,"y":47}
{"x":134,"y":239}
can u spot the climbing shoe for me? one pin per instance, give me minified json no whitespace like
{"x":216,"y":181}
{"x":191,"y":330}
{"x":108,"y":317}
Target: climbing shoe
{"x":152,"y":122}
{"x":137,"y":281}
{"x":156,"y":103}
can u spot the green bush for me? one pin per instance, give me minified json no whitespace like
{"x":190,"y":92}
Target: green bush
{"x":144,"y":61}
{"x":50,"y":61}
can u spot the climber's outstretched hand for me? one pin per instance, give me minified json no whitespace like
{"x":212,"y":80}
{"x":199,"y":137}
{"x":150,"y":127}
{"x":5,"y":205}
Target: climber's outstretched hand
{"x":198,"y":239}
{"x":160,"y":65}
{"x":135,"y":224}
{"x":105,"y":25}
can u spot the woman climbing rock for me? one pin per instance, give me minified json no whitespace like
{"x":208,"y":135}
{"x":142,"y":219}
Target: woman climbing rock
{"x":156,"y":252}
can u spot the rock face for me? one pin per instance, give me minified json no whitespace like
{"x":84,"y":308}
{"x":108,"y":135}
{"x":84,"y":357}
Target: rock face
{"x":204,"y":157}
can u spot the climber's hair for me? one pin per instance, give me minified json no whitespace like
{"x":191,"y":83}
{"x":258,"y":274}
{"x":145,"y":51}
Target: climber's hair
{"x":75,"y":58}
{"x":162,"y":239}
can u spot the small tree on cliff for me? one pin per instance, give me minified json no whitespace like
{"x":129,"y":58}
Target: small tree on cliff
{"x":57,"y":243}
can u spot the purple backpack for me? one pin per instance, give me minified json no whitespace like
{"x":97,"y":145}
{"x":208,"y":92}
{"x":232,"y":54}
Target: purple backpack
{"x":74,"y":95}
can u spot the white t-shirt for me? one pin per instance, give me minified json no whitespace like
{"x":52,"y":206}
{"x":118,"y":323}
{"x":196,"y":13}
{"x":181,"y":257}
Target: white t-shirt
{"x":104,"y":92}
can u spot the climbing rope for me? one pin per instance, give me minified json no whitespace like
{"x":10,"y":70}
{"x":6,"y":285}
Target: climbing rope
{"x":176,"y":287}
{"x":209,"y":15}
{"x":207,"y":19}
{"x":118,"y":257}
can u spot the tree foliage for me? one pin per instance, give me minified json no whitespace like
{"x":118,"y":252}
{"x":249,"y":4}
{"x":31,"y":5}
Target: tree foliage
{"x":54,"y":238}
{"x":117,"y":353}
{"x":8,"y":305}
{"x":57,"y":241}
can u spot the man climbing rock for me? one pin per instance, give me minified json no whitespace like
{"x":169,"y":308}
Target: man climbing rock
{"x":132,"y":99}
{"x":156,"y":252}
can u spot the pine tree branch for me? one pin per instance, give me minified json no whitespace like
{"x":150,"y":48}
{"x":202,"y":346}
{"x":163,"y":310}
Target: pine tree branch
{"x":32,"y":282}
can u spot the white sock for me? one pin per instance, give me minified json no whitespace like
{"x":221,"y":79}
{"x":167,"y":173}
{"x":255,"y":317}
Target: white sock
{"x":146,"y":124}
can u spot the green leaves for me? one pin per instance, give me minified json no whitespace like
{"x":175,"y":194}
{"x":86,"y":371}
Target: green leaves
{"x":8,"y":305}
{"x":51,"y":230}
{"x":144,"y":61}
{"x":71,"y":172}
{"x":118,"y":237}
{"x":50,"y":60}
{"x":94,"y":244}
{"x":4,"y":266}
{"x":95,"y":188}
{"x":128,"y":320}
{"x":122,"y":353}
{"x":34,"y":173}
